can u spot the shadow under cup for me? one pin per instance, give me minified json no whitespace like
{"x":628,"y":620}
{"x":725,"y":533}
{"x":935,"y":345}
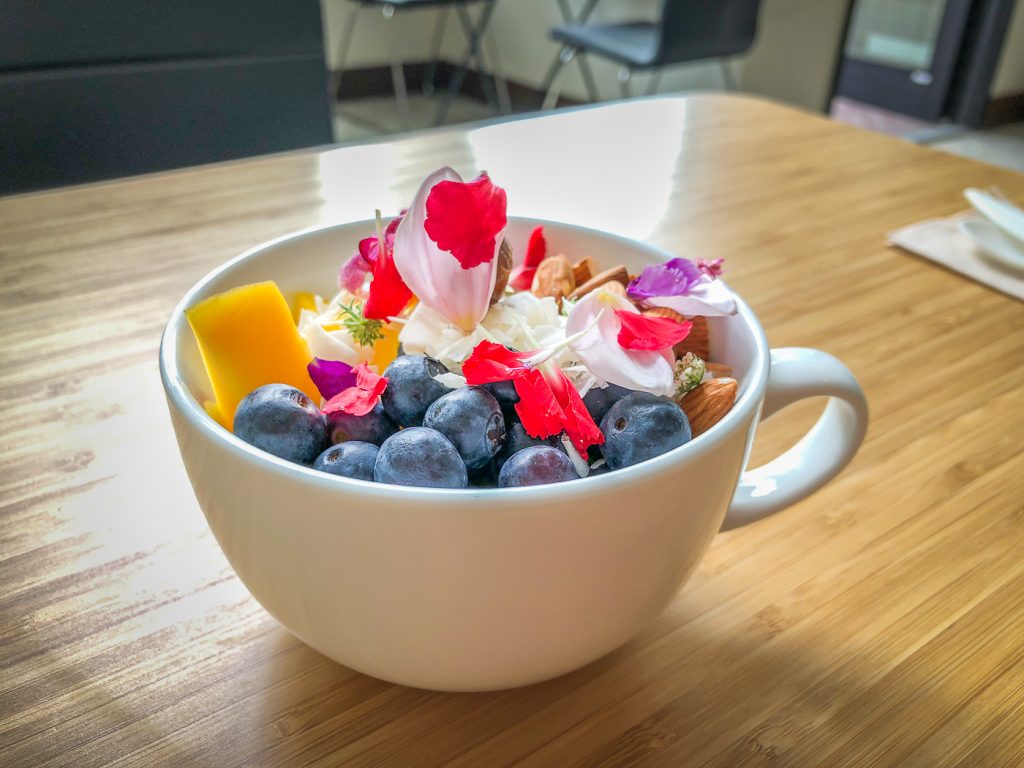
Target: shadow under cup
{"x":469,"y":589}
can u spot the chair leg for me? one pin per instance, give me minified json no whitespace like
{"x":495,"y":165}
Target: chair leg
{"x":624,"y":74}
{"x":345,"y":45}
{"x":498,"y":74}
{"x":429,"y":76}
{"x":727,"y":75}
{"x":556,"y":77}
{"x":397,"y":71}
{"x":588,"y":78}
{"x":460,"y":73}
{"x":655,"y":81}
{"x":487,"y":82}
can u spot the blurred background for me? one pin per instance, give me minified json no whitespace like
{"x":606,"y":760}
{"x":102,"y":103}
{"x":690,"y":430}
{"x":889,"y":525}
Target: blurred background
{"x":98,"y":89}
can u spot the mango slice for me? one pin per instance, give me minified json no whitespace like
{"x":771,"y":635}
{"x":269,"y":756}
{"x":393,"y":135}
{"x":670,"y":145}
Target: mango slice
{"x":303,"y":300}
{"x":247,"y":338}
{"x":386,"y":349}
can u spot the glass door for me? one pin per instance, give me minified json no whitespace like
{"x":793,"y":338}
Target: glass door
{"x":901,"y":54}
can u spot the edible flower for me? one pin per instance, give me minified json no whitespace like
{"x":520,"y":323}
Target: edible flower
{"x":445,"y":247}
{"x":331,"y":376}
{"x":642,"y":332}
{"x":609,"y":349}
{"x":465,"y":218}
{"x":548,"y":402}
{"x":681,"y":285}
{"x":711,"y":268}
{"x":359,"y":399}
{"x":690,"y":371}
{"x":522,"y":276}
{"x":388,"y":293}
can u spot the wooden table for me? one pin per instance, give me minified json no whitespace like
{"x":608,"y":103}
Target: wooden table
{"x":880,"y":622}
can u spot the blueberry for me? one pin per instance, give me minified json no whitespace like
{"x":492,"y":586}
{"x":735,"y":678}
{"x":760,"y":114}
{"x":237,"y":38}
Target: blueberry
{"x":471,"y":419}
{"x":375,"y":427}
{"x":641,"y":426}
{"x":598,"y":401}
{"x":420,"y":456}
{"x":283,"y":421}
{"x":516,"y":440}
{"x":505,"y":393}
{"x":536,"y":465}
{"x":349,"y":459}
{"x":412,"y":388}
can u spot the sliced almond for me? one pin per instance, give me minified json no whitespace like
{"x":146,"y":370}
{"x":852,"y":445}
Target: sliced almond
{"x":504,"y":270}
{"x":707,"y":404}
{"x":553,"y":278}
{"x":583,"y":270}
{"x":615,"y":274}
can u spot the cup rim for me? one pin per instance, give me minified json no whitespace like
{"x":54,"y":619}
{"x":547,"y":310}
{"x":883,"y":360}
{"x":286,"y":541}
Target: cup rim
{"x":182,"y":401}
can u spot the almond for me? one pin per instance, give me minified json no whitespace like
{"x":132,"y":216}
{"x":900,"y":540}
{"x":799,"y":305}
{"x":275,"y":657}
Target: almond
{"x":583,"y":270}
{"x":665,"y":312}
{"x":504,"y":270}
{"x":615,"y":274}
{"x":697,"y":341}
{"x":553,"y":278}
{"x":708,"y":403}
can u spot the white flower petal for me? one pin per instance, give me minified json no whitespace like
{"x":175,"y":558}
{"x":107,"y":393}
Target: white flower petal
{"x":599,"y":348}
{"x":709,"y":298}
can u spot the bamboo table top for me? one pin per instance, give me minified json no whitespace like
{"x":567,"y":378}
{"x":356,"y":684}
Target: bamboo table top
{"x":879,"y":622}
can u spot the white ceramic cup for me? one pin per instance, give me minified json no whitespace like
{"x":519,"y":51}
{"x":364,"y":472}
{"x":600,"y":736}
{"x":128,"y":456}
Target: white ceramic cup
{"x":492,"y":588}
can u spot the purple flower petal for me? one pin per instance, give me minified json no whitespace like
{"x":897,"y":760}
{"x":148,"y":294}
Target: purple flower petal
{"x":673,"y":278}
{"x":331,"y":376}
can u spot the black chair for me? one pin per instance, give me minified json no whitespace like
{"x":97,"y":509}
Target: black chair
{"x":686,"y":31}
{"x":474,"y":31}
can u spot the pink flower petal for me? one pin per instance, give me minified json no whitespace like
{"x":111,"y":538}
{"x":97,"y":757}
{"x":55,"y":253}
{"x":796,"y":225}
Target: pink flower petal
{"x":362,"y":397}
{"x":461,"y":295}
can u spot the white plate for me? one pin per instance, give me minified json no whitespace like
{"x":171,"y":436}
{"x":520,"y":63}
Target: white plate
{"x":994,"y":242}
{"x":1005,"y":215}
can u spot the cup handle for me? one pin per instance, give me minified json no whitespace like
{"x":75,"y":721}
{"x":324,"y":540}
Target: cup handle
{"x":795,"y":374}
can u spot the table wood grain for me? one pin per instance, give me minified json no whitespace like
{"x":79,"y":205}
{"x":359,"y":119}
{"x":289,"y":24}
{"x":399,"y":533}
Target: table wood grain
{"x":879,"y":622}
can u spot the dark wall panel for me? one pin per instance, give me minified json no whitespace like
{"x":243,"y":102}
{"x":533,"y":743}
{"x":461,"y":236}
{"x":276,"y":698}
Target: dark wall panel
{"x":44,"y":33}
{"x":71,"y":126}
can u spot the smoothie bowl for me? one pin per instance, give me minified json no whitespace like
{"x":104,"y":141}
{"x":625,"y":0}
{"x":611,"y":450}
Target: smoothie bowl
{"x":546,"y":499}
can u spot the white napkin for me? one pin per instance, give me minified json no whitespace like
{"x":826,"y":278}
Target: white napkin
{"x":941,"y":241}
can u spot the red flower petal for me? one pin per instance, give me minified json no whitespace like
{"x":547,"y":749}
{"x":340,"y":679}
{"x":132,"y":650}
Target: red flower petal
{"x":388,"y":293}
{"x":360,"y":399}
{"x":549,"y":404}
{"x":650,"y":333}
{"x":491,"y":362}
{"x":538,"y":408}
{"x":579,"y":425}
{"x":465,"y":219}
{"x":522,"y":276}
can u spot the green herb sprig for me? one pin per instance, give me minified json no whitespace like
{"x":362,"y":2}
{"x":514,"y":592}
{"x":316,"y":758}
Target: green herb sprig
{"x":365,"y":331}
